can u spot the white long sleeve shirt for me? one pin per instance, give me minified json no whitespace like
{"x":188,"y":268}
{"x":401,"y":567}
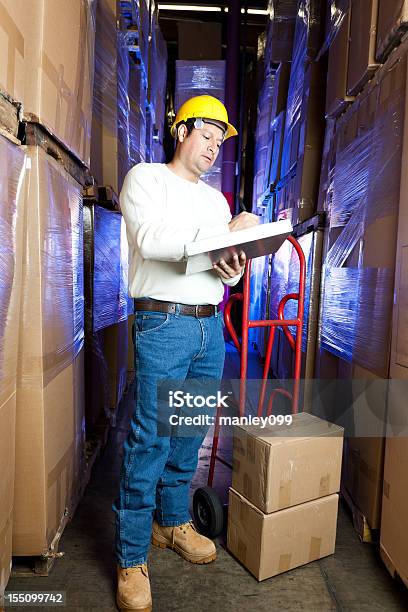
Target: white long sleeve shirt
{"x":163,"y":212}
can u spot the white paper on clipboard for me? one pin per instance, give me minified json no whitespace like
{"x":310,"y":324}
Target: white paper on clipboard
{"x":255,"y":241}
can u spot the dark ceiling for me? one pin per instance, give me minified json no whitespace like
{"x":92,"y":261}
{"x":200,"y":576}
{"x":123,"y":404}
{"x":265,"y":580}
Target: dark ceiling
{"x":254,"y":23}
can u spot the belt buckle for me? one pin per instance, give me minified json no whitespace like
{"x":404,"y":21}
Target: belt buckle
{"x":196,"y":310}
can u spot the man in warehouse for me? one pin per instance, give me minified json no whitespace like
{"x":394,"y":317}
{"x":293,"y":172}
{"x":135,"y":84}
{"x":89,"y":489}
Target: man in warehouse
{"x":178,"y":334}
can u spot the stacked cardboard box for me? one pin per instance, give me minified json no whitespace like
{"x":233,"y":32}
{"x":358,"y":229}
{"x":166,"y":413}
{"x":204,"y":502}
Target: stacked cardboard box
{"x":283,"y":500}
{"x":12,"y":162}
{"x":394,"y":532}
{"x":304,"y":128}
{"x":119,"y":96}
{"x":157,"y":90}
{"x":280,"y":31}
{"x":49,"y":72}
{"x":50,"y":401}
{"x":392,"y":25}
{"x":361,"y":200}
{"x":106,"y":310}
{"x":284,"y":280}
{"x":195,"y":78}
{"x":49,"y":69}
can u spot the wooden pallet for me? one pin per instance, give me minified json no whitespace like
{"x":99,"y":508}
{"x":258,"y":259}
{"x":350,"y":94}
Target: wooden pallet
{"x":104,"y":196}
{"x":9,"y":117}
{"x":389,"y":564}
{"x":360,"y":523}
{"x":34,"y":134}
{"x":42,"y":565}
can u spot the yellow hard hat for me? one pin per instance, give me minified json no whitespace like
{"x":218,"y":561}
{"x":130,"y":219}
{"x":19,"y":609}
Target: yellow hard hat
{"x":204,"y":107}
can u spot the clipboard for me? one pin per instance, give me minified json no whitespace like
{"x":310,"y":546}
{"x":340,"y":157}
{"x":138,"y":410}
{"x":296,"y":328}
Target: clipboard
{"x":255,"y":242}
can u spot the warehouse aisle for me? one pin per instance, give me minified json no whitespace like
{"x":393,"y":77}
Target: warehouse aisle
{"x":354,"y":579}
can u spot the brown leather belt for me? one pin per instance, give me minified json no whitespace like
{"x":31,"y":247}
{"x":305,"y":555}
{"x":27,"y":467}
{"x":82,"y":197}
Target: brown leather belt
{"x":201,"y":310}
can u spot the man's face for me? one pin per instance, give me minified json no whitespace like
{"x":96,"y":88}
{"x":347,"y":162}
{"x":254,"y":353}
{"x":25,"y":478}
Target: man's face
{"x":200,"y":150}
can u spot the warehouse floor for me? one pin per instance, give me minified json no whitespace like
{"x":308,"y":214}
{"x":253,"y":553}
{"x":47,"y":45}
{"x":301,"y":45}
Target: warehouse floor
{"x":354,"y":579}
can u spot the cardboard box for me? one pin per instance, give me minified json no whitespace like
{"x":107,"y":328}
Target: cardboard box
{"x":394,"y":532}
{"x":199,"y":40}
{"x":49,"y":68}
{"x":12,"y":160}
{"x":392,"y":24}
{"x":106,"y":148}
{"x":281,"y":466}
{"x":49,"y":419}
{"x":270,"y":544}
{"x":280,"y":31}
{"x":302,"y":150}
{"x":363,"y":34}
{"x":116,"y":351}
{"x":275,"y":148}
{"x":394,"y":528}
{"x":280,"y":90}
{"x":336,"y":96}
{"x":131,"y":349}
{"x":7,"y":467}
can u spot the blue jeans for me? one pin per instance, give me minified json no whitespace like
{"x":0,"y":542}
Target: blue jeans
{"x":156,"y":470}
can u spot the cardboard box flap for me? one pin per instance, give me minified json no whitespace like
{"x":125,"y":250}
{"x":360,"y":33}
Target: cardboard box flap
{"x":304,"y":425}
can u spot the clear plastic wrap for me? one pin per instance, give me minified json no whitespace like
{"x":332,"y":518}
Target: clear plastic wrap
{"x":106,"y":268}
{"x":362,"y":205}
{"x":12,"y":165}
{"x":280,"y":31}
{"x":119,"y":129}
{"x":195,"y":79}
{"x":262,"y":139}
{"x":52,"y":284}
{"x":105,"y":84}
{"x":137,"y":117}
{"x":158,"y":79}
{"x":305,"y":47}
{"x":335,"y":12}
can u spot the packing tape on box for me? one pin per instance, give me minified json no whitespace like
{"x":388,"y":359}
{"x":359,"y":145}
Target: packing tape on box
{"x":4,"y":530}
{"x":314,"y":549}
{"x":285,"y":494}
{"x":236,"y":465}
{"x":285,"y":561}
{"x":366,"y":470}
{"x":241,"y":550}
{"x":243,"y":513}
{"x":64,"y":467}
{"x":237,"y":444}
{"x":250,"y":449}
{"x":324,"y":486}
{"x":247,"y":486}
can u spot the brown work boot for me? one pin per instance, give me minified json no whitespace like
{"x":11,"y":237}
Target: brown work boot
{"x":185,"y":540}
{"x":134,"y":589}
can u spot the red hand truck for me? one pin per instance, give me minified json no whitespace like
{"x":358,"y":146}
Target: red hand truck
{"x":208,"y":510}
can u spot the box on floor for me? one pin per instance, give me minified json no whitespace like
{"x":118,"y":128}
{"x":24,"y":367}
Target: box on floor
{"x":12,"y":161}
{"x":49,"y":68}
{"x":270,"y":544}
{"x":394,"y":521}
{"x":50,"y":401}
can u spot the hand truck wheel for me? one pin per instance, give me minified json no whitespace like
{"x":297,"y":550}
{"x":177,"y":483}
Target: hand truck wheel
{"x":208,"y":512}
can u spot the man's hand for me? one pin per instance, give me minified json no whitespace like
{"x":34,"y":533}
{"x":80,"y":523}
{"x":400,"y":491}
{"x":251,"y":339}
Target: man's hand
{"x":232,"y":268}
{"x":243,"y":221}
